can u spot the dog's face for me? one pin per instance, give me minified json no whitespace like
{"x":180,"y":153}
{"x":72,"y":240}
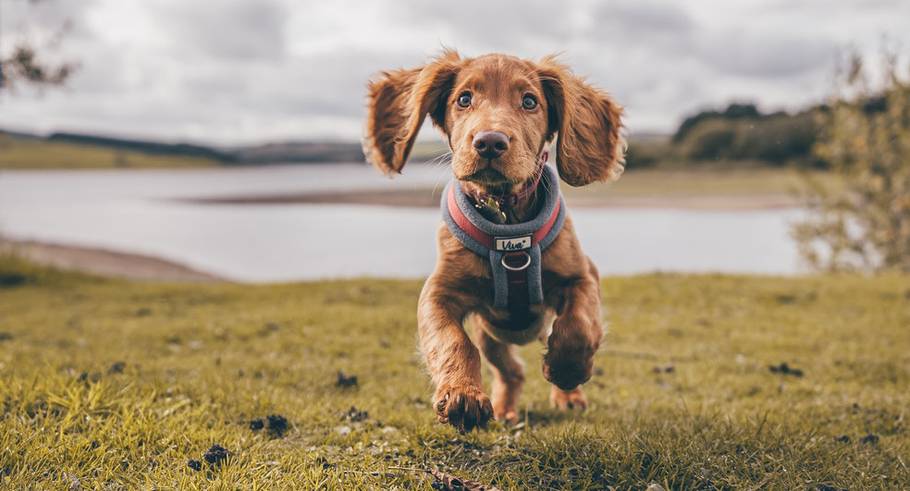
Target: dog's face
{"x":498,"y":113}
{"x":496,"y":121}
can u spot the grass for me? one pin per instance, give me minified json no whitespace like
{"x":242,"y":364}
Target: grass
{"x":26,"y":153}
{"x":111,"y":384}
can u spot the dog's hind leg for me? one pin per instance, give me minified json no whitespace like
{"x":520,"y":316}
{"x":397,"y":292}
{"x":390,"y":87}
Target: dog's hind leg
{"x":508,"y":372}
{"x":566,"y":400}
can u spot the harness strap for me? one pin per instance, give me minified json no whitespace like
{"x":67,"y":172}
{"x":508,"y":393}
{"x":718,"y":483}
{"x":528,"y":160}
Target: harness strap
{"x":519,"y":300}
{"x":514,"y":250}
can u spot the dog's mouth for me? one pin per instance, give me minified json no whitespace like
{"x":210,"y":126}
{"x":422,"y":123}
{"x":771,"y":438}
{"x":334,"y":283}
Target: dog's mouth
{"x":491,"y":179}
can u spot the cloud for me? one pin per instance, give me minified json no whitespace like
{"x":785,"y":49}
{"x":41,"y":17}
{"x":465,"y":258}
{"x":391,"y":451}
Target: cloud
{"x":245,"y":70}
{"x":765,"y":55}
{"x":236,"y":30}
{"x":477,"y":26}
{"x":641,"y":20}
{"x":31,"y":19}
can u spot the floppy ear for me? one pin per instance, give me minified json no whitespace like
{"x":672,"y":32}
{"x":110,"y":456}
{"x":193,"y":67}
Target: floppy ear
{"x":590,"y":145}
{"x":398,"y":102}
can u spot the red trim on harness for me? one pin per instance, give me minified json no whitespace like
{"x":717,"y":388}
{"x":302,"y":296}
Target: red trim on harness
{"x":463,"y":223}
{"x":486,"y":239}
{"x":543,"y":231}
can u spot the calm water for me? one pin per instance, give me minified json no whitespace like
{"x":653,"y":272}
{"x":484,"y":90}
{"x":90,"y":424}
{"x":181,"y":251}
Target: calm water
{"x":134,"y":211}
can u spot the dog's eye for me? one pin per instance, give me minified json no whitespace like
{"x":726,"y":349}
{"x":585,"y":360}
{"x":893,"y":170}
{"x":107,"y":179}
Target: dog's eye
{"x":529,"y":102}
{"x":464,"y":100}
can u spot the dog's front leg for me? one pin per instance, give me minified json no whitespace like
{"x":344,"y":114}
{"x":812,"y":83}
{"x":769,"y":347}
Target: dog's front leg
{"x":452,"y":360}
{"x":575,"y":338}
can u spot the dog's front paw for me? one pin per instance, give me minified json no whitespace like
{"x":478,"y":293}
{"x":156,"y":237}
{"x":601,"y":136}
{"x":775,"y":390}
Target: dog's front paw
{"x":569,"y":360}
{"x":464,"y":407}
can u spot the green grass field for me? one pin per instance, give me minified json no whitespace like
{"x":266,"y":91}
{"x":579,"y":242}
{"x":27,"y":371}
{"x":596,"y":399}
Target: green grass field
{"x":24,"y":153}
{"x":107,"y":384}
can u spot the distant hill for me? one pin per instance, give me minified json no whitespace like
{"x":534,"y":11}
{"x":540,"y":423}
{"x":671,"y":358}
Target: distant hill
{"x":76,"y":150}
{"x":144,"y":146}
{"x":268,"y":153}
{"x":735,"y":135}
{"x":25,"y":151}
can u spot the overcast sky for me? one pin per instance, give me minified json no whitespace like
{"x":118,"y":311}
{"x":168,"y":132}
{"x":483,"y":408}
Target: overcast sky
{"x":242,"y":71}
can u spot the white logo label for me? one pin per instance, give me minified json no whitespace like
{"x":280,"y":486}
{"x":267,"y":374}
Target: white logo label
{"x":513,"y":243}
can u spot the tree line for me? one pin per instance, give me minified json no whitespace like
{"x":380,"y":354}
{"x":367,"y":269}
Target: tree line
{"x":741,"y":132}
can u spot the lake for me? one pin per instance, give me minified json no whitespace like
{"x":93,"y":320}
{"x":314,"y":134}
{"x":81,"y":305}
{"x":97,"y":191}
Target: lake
{"x":139,"y":211}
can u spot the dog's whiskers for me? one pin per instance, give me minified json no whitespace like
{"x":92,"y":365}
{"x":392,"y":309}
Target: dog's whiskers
{"x":440,"y":161}
{"x":547,"y":186}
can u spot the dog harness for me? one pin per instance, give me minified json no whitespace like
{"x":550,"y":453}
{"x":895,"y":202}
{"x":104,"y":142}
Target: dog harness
{"x":514,"y":250}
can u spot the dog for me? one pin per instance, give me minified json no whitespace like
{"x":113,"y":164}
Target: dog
{"x":499,"y":115}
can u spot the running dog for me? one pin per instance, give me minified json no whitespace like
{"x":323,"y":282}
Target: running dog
{"x":509,"y":264}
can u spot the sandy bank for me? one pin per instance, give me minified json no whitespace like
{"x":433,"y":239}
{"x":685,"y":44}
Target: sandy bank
{"x":427,"y":198}
{"x":105,"y":262}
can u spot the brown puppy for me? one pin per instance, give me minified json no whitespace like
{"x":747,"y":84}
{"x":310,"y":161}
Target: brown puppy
{"x":498,"y":114}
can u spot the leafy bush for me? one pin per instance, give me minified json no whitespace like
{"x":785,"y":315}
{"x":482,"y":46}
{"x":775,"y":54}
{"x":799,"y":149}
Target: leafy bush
{"x":733,"y":111}
{"x":711,"y":139}
{"x":866,"y":141}
{"x":647,"y":152}
{"x":777,"y":138}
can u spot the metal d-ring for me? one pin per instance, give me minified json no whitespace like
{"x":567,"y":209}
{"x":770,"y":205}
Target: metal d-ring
{"x":517,"y":268}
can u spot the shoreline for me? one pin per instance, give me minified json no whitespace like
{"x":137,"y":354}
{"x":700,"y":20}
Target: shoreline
{"x":105,"y":262}
{"x":429,"y":198}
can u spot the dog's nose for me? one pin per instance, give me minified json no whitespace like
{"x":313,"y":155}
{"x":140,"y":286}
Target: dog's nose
{"x":491,"y":144}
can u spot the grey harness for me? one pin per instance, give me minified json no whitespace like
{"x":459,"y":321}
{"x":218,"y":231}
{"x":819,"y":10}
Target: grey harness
{"x":514,"y":250}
